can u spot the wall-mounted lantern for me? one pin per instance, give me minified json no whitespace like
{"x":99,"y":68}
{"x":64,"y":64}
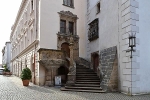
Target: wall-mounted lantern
{"x":132,"y":42}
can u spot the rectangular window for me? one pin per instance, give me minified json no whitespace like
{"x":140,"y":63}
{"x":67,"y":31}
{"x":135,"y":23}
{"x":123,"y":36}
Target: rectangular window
{"x":62,"y":26}
{"x":93,"y":30}
{"x":71,"y":25}
{"x":68,"y":3}
{"x":65,"y":2}
{"x":98,"y":7}
{"x":31,"y":4}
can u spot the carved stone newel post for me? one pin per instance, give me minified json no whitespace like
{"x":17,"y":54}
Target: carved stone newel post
{"x":72,"y":67}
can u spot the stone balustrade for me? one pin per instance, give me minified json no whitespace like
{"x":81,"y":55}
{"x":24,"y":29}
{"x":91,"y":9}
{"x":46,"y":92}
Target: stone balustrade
{"x":50,"y":57}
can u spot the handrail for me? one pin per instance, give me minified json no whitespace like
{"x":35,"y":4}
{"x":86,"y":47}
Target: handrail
{"x":84,"y":62}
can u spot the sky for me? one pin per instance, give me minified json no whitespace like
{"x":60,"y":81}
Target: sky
{"x":8,"y":13}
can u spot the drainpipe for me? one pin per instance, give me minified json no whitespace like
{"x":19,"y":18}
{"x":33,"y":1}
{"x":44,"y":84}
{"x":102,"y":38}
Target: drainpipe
{"x":119,"y":47}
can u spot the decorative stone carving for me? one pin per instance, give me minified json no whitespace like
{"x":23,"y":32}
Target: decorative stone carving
{"x":50,"y":57}
{"x":65,"y":38}
{"x":30,"y":22}
{"x":73,"y":41}
{"x":68,"y":13}
{"x":72,"y":69}
{"x":51,"y":62}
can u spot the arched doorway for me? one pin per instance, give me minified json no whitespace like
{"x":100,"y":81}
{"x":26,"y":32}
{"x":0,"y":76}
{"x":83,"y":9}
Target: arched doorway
{"x":65,"y":48}
{"x":63,"y":71}
{"x":95,"y":61}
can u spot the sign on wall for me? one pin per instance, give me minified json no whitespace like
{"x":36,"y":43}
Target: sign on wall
{"x":57,"y":80}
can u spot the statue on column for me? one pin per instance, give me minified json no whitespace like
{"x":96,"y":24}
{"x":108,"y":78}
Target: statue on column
{"x":72,"y":67}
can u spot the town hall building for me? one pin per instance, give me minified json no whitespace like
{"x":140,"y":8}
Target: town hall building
{"x":94,"y":45}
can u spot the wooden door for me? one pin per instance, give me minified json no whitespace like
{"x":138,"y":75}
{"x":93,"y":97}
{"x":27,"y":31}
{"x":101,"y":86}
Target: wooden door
{"x":65,"y":48}
{"x":95,"y":57}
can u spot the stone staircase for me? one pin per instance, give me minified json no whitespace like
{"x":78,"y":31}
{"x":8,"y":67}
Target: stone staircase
{"x":86,"y":81}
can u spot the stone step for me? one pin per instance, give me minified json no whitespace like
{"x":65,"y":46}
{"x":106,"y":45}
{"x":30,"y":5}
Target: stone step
{"x":83,"y":76}
{"x":86,"y":72}
{"x":87,"y":82}
{"x":82,"y":68}
{"x":87,"y":78}
{"x":89,"y":85}
{"x":79,"y":90}
{"x":83,"y":88}
{"x":94,"y":75}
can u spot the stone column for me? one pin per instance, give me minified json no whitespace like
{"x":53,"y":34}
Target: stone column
{"x":71,"y":54}
{"x":50,"y":76}
{"x":72,"y":68}
{"x":54,"y":73}
{"x":48,"y":81}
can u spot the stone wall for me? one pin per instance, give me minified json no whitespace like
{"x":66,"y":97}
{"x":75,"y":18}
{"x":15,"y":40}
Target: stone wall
{"x":109,"y":69}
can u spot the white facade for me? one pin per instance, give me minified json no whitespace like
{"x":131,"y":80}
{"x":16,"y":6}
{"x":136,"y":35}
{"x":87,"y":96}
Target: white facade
{"x":117,"y":19}
{"x":6,"y":55}
{"x":35,"y":27}
{"x":143,"y":47}
{"x":24,"y":38}
{"x":108,"y":33}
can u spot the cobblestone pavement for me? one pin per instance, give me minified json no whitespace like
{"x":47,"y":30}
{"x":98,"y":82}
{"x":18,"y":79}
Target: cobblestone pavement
{"x":11,"y":89}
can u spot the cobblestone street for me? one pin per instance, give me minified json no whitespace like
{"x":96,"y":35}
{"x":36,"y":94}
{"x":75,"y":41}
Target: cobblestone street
{"x":11,"y":89}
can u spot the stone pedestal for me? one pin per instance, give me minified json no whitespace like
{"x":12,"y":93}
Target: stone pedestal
{"x":72,"y":68}
{"x":71,"y":79}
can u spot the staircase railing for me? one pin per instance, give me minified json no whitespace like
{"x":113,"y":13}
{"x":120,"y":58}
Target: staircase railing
{"x":82,"y":61}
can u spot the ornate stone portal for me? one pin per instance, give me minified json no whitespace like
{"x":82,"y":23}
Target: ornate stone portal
{"x":51,"y":60}
{"x":73,"y":41}
{"x":69,"y":36}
